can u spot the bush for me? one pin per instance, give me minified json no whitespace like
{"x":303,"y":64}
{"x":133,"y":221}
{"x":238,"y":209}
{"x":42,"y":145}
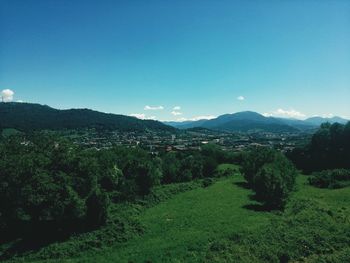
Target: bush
{"x":208,"y":181}
{"x":253,"y":160}
{"x":336,"y":178}
{"x":271,"y":175}
{"x":274,"y":182}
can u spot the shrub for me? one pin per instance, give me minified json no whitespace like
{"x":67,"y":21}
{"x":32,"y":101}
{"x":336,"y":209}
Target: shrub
{"x":254,"y":160}
{"x":336,"y":178}
{"x":274,"y":182}
{"x":271,"y":175}
{"x":208,"y":181}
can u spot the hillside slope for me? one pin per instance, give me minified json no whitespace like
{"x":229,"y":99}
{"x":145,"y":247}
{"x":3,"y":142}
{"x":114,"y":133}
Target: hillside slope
{"x":201,"y":226}
{"x":27,"y":116}
{"x":245,"y":121}
{"x":221,"y":223}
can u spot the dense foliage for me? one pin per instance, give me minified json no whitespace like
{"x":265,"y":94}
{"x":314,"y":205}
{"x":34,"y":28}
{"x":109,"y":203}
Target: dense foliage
{"x":254,"y":160}
{"x":46,"y":180}
{"x":186,"y":166}
{"x":270,"y":174}
{"x":328,"y":149}
{"x":336,"y":178}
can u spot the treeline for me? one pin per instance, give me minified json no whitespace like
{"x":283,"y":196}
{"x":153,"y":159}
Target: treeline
{"x":332,"y":179}
{"x":329,"y":148}
{"x":48,"y":181}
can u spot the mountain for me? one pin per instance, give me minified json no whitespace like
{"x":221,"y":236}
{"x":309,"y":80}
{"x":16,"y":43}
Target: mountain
{"x":299,"y":124}
{"x":28,"y":116}
{"x":319,"y":120}
{"x":249,"y":121}
{"x":185,"y":124}
{"x":246,"y":121}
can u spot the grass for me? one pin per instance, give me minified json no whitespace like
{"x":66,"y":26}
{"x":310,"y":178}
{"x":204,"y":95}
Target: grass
{"x":335,"y":198}
{"x":315,"y":227}
{"x":180,"y":229}
{"x":215,"y":224}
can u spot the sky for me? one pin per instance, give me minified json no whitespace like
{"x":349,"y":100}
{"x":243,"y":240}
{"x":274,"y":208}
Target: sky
{"x":178,"y":60}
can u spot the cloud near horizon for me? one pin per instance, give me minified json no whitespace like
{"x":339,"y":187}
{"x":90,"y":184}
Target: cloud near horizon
{"x":142,"y":116}
{"x":7,"y":95}
{"x":147,"y":107}
{"x":177,"y":108}
{"x":176,"y":113}
{"x":286,"y":114}
{"x":197,"y":118}
{"x":240,"y":98}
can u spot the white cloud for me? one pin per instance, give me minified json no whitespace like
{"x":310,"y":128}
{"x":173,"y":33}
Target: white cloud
{"x":143,"y":116}
{"x":177,"y":108}
{"x":240,"y":98}
{"x":7,"y":95}
{"x":203,"y":117}
{"x":19,"y":101}
{"x":328,"y":115}
{"x":181,"y":119}
{"x":153,"y":107}
{"x":176,"y":113}
{"x":285,"y":113}
{"x":197,"y":118}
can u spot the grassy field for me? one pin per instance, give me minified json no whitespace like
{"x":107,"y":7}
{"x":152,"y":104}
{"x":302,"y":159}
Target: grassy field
{"x":186,"y":227}
{"x":336,"y":198}
{"x":179,"y":229}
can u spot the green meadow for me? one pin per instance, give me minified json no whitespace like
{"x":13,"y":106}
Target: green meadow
{"x":180,"y":229}
{"x":221,"y":223}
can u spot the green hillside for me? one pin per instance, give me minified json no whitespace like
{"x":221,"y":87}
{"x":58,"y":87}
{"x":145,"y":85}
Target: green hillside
{"x":29,"y":116}
{"x":221,"y":223}
{"x":180,"y":229}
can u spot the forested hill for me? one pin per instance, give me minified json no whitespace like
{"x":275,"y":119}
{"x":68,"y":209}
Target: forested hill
{"x":246,"y":121}
{"x":28,"y":116}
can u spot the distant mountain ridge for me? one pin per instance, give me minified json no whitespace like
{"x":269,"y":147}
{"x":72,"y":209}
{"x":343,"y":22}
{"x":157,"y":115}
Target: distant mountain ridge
{"x":319,"y":120}
{"x":28,"y":116}
{"x":249,"y":121}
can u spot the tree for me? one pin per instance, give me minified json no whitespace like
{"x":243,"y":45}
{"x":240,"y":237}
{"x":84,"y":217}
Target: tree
{"x":171,"y":168}
{"x":329,"y":148}
{"x":97,"y":208}
{"x":112,"y":178}
{"x":253,"y":160}
{"x":209,"y":166}
{"x":45,"y":179}
{"x":191,"y":167}
{"x":274,"y":181}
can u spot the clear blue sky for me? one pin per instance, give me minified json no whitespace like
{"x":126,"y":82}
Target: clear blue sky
{"x":119,"y":56}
